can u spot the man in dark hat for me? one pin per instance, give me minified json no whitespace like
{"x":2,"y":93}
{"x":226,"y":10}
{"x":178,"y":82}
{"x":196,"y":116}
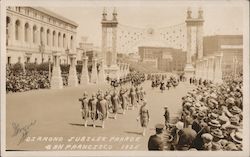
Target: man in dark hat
{"x":155,"y":142}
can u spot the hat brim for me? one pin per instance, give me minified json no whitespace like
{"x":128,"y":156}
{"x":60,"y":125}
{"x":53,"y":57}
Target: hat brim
{"x":215,"y":125}
{"x":232,"y":135}
{"x":219,"y":136}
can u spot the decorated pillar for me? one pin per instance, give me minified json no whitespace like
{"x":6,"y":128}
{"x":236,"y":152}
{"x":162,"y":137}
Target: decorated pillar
{"x":94,"y":77}
{"x":199,"y":34}
{"x":56,"y":79}
{"x":101,"y":75}
{"x":85,"y":72}
{"x":189,"y":69}
{"x":72,"y":80}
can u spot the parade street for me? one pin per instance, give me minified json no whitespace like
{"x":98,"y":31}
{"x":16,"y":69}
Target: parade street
{"x":38,"y":115}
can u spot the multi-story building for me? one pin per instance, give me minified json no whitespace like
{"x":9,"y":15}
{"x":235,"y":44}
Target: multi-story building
{"x":231,"y":48}
{"x":33,"y":33}
{"x":164,"y":58}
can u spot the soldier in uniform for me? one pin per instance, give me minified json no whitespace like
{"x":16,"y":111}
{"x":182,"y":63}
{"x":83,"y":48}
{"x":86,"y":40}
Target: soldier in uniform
{"x":144,"y":117}
{"x":123,"y":99}
{"x":115,"y":103}
{"x":155,"y":142}
{"x":108,"y":99}
{"x":132,"y":95}
{"x":84,"y":108}
{"x":102,"y":109}
{"x":93,"y":106}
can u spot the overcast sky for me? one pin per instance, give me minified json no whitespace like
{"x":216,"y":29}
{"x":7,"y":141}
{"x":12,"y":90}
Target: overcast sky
{"x":218,"y":19}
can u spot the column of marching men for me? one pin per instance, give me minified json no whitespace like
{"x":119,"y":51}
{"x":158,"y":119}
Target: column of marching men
{"x":124,"y":94}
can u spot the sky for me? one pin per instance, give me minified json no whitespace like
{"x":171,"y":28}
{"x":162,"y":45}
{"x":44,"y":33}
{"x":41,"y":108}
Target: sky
{"x":218,"y":19}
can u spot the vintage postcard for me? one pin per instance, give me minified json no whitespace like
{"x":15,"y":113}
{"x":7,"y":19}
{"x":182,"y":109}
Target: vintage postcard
{"x":124,"y":78}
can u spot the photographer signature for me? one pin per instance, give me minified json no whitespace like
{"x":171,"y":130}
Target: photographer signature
{"x":23,"y":131}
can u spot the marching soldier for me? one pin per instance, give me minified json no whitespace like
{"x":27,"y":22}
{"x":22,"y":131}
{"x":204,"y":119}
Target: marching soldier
{"x":102,"y":109}
{"x":144,"y":117}
{"x":93,"y":106}
{"x":115,"y":103}
{"x":84,"y":108}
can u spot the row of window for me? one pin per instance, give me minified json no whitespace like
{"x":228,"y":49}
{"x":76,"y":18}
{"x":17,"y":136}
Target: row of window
{"x":43,"y":17}
{"x":27,"y":60}
{"x":45,"y":37}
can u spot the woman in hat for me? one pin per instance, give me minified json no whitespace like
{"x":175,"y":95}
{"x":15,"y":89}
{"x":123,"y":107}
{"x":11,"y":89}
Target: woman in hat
{"x":144,"y":117}
{"x":84,"y":108}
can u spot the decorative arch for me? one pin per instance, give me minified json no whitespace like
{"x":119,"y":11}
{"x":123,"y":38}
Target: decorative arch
{"x":26,"y":32}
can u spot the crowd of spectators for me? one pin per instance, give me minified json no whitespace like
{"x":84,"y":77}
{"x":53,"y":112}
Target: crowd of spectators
{"x":20,"y":81}
{"x":211,"y":117}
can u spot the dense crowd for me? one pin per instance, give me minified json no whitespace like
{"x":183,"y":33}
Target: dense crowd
{"x":20,"y":81}
{"x":211,"y":118}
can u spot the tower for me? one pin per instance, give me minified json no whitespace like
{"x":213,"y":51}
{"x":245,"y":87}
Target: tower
{"x":198,"y":23}
{"x":109,"y":44}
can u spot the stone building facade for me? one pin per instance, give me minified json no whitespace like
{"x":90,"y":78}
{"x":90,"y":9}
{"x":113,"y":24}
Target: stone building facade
{"x":34,"y":33}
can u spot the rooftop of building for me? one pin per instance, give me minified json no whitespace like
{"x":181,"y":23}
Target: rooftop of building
{"x":50,"y":13}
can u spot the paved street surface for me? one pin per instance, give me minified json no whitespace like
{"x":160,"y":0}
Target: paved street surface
{"x":56,"y":113}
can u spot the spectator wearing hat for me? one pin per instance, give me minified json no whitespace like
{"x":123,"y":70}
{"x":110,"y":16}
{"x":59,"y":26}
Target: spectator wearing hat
{"x":207,"y":140}
{"x":187,"y":136}
{"x":144,"y":117}
{"x":155,"y":142}
{"x":217,"y":136}
{"x":84,"y":108}
{"x":166,"y":116}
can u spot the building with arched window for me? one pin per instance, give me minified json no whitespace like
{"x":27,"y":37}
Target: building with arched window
{"x":30,"y":28}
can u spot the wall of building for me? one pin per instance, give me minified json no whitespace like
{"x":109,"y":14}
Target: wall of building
{"x":36,"y":32}
{"x":231,"y":47}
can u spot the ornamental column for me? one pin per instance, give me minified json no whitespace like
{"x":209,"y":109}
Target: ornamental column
{"x":72,"y":80}
{"x":199,"y":34}
{"x":189,"y":69}
{"x":94,"y":77}
{"x":104,"y":44}
{"x":114,"y":54}
{"x":85,"y":72}
{"x":56,"y":79}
